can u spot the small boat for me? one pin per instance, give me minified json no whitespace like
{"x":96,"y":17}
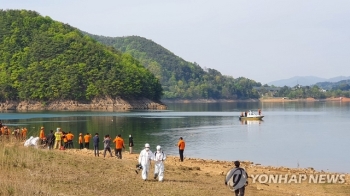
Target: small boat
{"x":251,"y":116}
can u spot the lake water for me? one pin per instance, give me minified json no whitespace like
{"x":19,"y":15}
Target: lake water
{"x":304,"y":134}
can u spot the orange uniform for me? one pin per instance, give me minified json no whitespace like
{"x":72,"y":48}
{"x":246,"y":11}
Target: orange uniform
{"x":42,"y":134}
{"x":181,"y":145}
{"x":69,"y":136}
{"x":24,"y":133}
{"x":87,"y":138}
{"x":119,"y":143}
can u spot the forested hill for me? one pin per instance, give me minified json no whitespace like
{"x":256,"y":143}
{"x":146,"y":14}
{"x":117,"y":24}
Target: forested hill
{"x":179,"y":78}
{"x":45,"y":60}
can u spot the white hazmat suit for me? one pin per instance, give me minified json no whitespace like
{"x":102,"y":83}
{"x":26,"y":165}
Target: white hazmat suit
{"x":145,"y":158}
{"x":159,"y":158}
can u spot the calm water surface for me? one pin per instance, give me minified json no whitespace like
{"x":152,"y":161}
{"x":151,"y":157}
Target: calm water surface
{"x":314,"y":134}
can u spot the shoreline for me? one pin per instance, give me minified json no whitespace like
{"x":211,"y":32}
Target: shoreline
{"x":67,"y":172}
{"x":269,"y":99}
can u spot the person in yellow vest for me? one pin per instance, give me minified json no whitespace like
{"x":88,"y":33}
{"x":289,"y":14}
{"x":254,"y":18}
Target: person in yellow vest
{"x":58,"y":138}
{"x":80,"y":141}
{"x":69,"y":137}
{"x":41,"y":135}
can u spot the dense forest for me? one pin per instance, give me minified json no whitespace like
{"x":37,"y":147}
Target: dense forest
{"x":45,"y":60}
{"x":181,"y":79}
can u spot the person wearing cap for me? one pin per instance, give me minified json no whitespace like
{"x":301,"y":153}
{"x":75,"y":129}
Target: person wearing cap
{"x":119,"y":145}
{"x":131,"y":143}
{"x":181,"y":145}
{"x":239,"y":179}
{"x":41,"y":135}
{"x":58,"y":138}
{"x":159,"y":158}
{"x":96,"y":141}
{"x":80,"y":141}
{"x":145,"y":158}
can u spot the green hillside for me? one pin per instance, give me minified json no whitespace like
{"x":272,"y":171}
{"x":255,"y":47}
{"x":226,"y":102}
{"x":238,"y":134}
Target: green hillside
{"x":179,"y":78}
{"x":45,"y":60}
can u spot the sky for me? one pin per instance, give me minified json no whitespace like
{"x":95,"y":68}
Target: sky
{"x":263,"y":40}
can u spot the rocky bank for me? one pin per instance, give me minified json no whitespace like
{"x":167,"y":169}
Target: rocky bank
{"x":106,"y":104}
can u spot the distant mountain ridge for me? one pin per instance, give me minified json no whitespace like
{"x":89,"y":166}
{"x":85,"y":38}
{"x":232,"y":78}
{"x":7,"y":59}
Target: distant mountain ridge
{"x":306,"y":80}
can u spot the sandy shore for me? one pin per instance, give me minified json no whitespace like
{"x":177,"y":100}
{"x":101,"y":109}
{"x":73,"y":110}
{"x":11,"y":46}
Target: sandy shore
{"x":281,"y":99}
{"x":218,"y":169}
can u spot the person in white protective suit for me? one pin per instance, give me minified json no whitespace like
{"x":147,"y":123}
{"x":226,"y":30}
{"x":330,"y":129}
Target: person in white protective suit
{"x":159,"y":158}
{"x":145,"y":158}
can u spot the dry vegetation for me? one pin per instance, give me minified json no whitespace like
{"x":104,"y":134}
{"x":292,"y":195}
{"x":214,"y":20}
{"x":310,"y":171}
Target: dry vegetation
{"x":30,"y":171}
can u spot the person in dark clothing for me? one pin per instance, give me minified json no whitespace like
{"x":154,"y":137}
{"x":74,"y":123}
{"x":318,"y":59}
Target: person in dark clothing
{"x":237,"y":179}
{"x":50,"y":139}
{"x":96,"y":141}
{"x":131,"y":143}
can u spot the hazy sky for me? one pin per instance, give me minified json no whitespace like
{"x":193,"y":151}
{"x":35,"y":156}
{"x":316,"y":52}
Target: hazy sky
{"x":264,"y":40}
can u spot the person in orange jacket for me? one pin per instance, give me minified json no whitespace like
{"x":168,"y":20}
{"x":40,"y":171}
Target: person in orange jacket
{"x":87,"y":138}
{"x":70,"y":137}
{"x":181,"y":145}
{"x":119,"y":145}
{"x":80,"y":141}
{"x":42,"y":135}
{"x":24,"y":133}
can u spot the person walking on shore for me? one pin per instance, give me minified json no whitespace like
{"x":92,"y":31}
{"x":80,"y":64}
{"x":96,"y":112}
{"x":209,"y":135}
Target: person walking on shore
{"x":119,"y":145}
{"x":80,"y":141}
{"x":159,"y":158}
{"x":131,"y":143}
{"x":96,"y":141}
{"x":87,"y":138}
{"x":145,"y":158}
{"x":107,"y":146}
{"x":181,"y":145}
{"x":237,"y":179}
{"x":58,"y":137}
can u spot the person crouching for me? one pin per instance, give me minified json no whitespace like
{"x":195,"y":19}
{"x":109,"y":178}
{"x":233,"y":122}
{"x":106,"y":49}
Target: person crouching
{"x":145,"y":158}
{"x":159,"y":158}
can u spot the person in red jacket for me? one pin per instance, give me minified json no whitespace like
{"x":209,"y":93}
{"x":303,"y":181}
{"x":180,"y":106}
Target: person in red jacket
{"x":181,"y":145}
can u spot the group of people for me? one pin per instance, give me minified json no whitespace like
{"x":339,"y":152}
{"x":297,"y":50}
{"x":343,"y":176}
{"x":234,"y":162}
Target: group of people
{"x":119,"y":145}
{"x":19,"y":134}
{"x":62,"y":140}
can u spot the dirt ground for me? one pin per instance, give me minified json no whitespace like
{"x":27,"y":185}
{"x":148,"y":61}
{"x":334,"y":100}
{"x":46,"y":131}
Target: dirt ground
{"x":29,"y":171}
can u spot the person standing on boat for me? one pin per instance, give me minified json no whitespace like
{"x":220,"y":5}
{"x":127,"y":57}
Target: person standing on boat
{"x":259,"y":111}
